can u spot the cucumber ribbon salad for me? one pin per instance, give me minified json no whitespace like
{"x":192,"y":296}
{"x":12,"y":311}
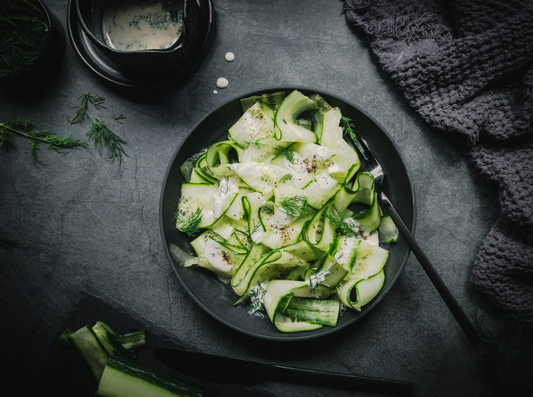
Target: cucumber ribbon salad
{"x":282,"y":212}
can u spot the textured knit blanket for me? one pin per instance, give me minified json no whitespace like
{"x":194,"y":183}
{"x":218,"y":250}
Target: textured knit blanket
{"x":466,"y":67}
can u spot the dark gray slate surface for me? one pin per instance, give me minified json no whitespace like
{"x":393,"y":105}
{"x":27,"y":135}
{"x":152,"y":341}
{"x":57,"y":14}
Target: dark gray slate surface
{"x":85,"y":223}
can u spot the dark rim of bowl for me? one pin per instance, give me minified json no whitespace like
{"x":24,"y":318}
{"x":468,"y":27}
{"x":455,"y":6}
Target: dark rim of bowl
{"x":95,"y":40}
{"x":224,"y":321}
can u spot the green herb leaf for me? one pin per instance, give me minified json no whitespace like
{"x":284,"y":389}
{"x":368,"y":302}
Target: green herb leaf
{"x":34,"y":137}
{"x":289,"y":155}
{"x":23,"y":35}
{"x":189,"y":223}
{"x":104,"y":137}
{"x":295,"y":205}
{"x":256,"y":228}
{"x":82,"y":112}
{"x":340,"y":225}
{"x":255,"y":144}
{"x":119,"y":119}
{"x":349,"y":128}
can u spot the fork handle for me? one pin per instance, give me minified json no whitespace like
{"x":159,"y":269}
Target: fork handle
{"x":443,"y":290}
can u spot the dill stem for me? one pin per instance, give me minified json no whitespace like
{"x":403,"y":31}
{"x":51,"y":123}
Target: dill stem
{"x":31,"y":5}
{"x":24,"y":134}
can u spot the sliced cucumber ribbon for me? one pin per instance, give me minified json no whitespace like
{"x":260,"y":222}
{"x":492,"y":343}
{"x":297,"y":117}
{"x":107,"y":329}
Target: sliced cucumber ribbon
{"x":278,"y":296}
{"x":287,"y":128}
{"x":284,"y":205}
{"x":370,"y":260}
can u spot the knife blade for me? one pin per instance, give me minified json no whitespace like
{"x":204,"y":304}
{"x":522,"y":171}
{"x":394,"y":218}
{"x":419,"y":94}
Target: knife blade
{"x":230,"y":370}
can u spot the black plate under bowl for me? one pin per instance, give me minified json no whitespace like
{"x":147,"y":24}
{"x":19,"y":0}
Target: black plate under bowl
{"x":215,"y":297}
{"x":99,"y":64}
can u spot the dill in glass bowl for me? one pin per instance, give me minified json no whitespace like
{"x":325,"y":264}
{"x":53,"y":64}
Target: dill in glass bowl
{"x":24,"y":31}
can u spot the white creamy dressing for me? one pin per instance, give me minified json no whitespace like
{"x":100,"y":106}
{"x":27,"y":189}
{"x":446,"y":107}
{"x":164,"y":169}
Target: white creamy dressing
{"x":335,"y":168}
{"x":325,"y":180}
{"x":370,"y":238}
{"x":258,"y":236}
{"x":227,"y":188}
{"x":140,"y":25}
{"x":222,"y":82}
{"x":298,"y":168}
{"x":216,"y":256}
{"x":247,"y":168}
{"x":343,"y":254}
{"x":323,"y":153}
{"x":274,"y":172}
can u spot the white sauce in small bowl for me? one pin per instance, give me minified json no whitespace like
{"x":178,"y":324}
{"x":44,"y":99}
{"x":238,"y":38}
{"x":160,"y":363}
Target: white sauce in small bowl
{"x":135,"y":25}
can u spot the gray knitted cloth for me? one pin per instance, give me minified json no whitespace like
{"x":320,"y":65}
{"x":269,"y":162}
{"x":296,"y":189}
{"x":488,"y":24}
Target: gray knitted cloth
{"x":466,"y":67}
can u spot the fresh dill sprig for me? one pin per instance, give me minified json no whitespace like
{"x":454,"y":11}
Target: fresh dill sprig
{"x":100,"y":132}
{"x":255,"y":144}
{"x":189,"y":223}
{"x":294,"y":205}
{"x":255,"y":229}
{"x":104,"y":137}
{"x":119,"y":119}
{"x":339,"y":224}
{"x":35,"y":137}
{"x":23,"y":35}
{"x":349,"y":128}
{"x":289,"y":155}
{"x":82,"y":112}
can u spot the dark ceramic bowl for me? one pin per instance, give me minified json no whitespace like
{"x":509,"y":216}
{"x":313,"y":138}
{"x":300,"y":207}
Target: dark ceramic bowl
{"x":51,"y":55}
{"x":145,"y":64}
{"x":108,"y":72}
{"x":217,"y":298}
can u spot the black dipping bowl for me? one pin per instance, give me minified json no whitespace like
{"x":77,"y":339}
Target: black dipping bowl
{"x":217,"y":298}
{"x":145,"y":64}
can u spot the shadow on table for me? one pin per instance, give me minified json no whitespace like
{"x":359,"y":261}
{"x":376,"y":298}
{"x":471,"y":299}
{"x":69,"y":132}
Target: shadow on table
{"x":63,"y":372}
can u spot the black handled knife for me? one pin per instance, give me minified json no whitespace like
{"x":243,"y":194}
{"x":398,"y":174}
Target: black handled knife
{"x":230,"y":370}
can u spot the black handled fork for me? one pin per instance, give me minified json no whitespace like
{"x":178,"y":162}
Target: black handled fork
{"x":375,"y":168}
